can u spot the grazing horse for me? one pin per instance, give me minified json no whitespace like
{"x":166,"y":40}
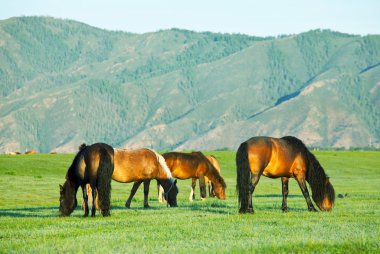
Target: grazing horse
{"x":196,"y":165}
{"x":185,"y":166}
{"x":285,"y":157}
{"x":144,"y":165}
{"x":141,"y":166}
{"x":94,"y":165}
{"x":210,"y":186}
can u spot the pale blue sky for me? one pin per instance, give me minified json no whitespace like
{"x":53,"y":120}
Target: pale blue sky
{"x":261,"y":18}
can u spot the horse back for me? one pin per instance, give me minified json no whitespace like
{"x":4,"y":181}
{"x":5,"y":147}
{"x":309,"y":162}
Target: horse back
{"x":184,"y":165}
{"x":274,"y":157}
{"x":84,"y":168}
{"x":214,"y":162}
{"x":135,"y":165}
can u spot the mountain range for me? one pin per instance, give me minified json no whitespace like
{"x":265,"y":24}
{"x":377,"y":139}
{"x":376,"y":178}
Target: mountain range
{"x":63,"y":83}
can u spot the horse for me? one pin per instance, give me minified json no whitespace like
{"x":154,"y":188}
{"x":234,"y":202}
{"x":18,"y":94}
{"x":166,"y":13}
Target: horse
{"x":284,"y":157}
{"x":142,"y":165}
{"x":185,"y":166}
{"x":210,"y":186}
{"x":196,"y":165}
{"x":93,"y":164}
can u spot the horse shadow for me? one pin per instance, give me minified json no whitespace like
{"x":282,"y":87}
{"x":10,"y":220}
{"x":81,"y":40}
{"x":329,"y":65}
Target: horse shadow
{"x":30,"y":212}
{"x":214,"y":207}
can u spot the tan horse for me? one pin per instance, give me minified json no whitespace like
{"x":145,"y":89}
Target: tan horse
{"x":143,"y":165}
{"x":284,"y":157}
{"x":210,"y":186}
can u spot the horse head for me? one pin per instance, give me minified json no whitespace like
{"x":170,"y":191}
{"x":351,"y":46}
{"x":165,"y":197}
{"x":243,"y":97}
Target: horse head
{"x":171,"y":194}
{"x":67,"y":199}
{"x":219,"y":188}
{"x":327,"y":202}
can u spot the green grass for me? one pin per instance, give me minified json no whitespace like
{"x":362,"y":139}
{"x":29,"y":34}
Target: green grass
{"x":29,"y":219}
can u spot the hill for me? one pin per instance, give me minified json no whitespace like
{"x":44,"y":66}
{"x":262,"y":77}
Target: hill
{"x":63,"y":82}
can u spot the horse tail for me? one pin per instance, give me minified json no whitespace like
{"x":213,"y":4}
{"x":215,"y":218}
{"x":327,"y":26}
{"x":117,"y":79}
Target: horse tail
{"x":244,"y":178}
{"x":105,"y":171}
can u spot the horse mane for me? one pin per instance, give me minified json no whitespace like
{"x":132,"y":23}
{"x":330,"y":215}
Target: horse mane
{"x":70,"y":171}
{"x":315,"y":176}
{"x":215,"y":173}
{"x":162,"y":162}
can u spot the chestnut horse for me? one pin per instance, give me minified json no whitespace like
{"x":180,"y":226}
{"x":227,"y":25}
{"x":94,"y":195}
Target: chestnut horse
{"x":210,"y":186}
{"x":285,"y":157}
{"x":185,"y":166}
{"x":94,"y":165}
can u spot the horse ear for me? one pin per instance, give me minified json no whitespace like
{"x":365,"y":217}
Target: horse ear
{"x":175,"y":182}
{"x":61,"y":188}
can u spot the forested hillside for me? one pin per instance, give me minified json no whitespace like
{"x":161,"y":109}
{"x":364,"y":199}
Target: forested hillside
{"x":63,"y":83}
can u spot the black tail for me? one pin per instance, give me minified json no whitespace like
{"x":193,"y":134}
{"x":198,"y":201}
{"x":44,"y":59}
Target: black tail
{"x":105,"y":171}
{"x":244,"y":178}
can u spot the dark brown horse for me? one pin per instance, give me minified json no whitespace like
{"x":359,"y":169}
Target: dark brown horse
{"x":94,"y":165}
{"x":185,"y":166}
{"x":285,"y":157}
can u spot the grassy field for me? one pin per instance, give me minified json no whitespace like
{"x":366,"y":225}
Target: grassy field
{"x":29,"y":219}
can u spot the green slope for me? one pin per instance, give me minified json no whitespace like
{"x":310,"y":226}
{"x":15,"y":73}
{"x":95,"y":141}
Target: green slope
{"x":64,"y":82}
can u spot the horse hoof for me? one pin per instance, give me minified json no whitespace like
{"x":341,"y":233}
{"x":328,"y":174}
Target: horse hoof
{"x":128,"y":206}
{"x":249,"y":210}
{"x":146,"y":206}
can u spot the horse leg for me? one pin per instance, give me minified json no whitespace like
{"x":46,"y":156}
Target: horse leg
{"x":285,"y":191}
{"x":135,"y":186}
{"x":305,"y":192}
{"x":202,"y":186}
{"x":94,"y":193}
{"x":160,"y":191}
{"x":255,"y":180}
{"x":146,"y":193}
{"x":85,"y":200}
{"x":211,"y":191}
{"x":192,"y":191}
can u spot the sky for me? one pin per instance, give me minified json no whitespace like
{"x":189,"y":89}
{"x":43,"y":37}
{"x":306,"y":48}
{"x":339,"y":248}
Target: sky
{"x":259,"y":18}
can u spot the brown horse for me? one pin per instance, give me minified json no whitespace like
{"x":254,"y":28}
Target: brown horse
{"x":210,"y":186}
{"x":185,"y":166}
{"x":196,"y":165}
{"x":94,"y":165}
{"x":285,"y":157}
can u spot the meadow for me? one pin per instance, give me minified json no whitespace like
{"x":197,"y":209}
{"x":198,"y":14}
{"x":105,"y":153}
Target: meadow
{"x":29,"y":220}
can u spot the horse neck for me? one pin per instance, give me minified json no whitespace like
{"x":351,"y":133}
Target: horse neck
{"x":212,"y":173}
{"x":166,"y":183}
